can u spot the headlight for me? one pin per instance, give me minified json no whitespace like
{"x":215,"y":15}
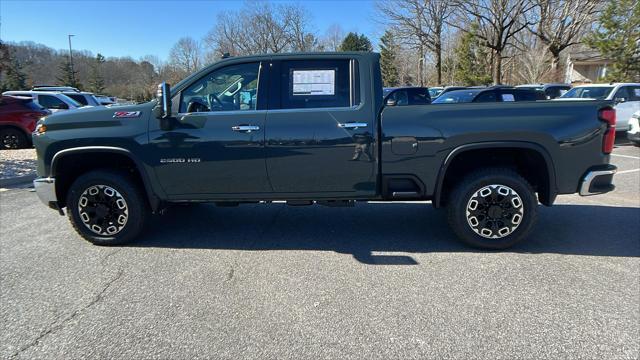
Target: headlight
{"x":40,"y":129}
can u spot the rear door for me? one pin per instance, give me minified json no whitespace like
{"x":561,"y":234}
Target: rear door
{"x":320,"y":128}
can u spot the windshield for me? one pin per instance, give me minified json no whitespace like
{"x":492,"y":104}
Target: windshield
{"x":457,"y":96}
{"x":595,"y":92}
{"x":69,"y":100}
{"x":386,"y":91}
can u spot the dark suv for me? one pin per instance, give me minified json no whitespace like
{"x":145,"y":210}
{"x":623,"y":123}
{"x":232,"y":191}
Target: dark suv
{"x":490,"y":94}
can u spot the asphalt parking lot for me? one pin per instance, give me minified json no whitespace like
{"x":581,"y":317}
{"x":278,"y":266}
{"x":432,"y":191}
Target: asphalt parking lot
{"x":374,"y":281}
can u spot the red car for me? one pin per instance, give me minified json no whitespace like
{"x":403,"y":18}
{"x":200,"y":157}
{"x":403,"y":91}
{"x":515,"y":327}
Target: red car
{"x":18,"y":117}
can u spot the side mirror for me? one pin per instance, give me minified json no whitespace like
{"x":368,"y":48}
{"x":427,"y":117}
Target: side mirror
{"x":391,"y":102}
{"x":61,"y":106}
{"x":162,"y":110}
{"x":620,"y":100}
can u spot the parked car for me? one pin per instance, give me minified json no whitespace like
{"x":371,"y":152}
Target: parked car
{"x":435,"y":91}
{"x":551,"y":90}
{"x":490,"y":94}
{"x":633,"y":133}
{"x":54,"y":88}
{"x":319,"y":134}
{"x":406,"y":96}
{"x":446,"y":89}
{"x":625,"y":95}
{"x":83,"y":97}
{"x":18,"y":117}
{"x":53,"y":101}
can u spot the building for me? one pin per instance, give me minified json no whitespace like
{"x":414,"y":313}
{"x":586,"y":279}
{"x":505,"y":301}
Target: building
{"x":585,"y":66}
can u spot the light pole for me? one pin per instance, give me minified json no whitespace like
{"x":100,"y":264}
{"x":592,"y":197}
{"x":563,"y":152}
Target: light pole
{"x":73,"y":75}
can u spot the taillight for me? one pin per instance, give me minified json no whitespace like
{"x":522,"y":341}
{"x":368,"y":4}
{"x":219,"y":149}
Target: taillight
{"x":608,"y":116}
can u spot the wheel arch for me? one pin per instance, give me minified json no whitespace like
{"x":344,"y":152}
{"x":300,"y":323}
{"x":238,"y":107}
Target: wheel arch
{"x":88,"y":158}
{"x":547,"y":192}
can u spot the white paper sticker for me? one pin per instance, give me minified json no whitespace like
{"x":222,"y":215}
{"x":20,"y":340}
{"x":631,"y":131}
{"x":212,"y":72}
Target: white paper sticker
{"x":314,"y":82}
{"x":508,"y":97}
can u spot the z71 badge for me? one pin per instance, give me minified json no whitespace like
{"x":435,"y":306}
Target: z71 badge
{"x":126,"y":114}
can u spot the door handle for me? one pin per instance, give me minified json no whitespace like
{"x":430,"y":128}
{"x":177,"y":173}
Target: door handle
{"x":352,"y":125}
{"x":245,"y":128}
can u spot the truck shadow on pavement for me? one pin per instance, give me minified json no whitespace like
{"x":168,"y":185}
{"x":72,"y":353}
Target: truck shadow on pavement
{"x":369,"y":229}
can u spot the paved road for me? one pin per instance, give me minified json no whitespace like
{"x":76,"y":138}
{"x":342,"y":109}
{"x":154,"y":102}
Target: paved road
{"x":375,"y":281}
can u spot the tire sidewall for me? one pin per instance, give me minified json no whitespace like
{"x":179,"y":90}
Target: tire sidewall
{"x":458,"y":216}
{"x":20,"y":136}
{"x":127,"y":190}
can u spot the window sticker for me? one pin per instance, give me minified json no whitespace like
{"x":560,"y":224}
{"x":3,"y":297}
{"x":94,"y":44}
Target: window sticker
{"x":508,"y":97}
{"x":314,"y":82}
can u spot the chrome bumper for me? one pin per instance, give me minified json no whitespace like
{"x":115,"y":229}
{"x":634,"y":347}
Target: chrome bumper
{"x":598,"y":181}
{"x":46,"y":190}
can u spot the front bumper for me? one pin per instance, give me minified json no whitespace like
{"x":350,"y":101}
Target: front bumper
{"x":46,"y":190}
{"x":598,"y":180}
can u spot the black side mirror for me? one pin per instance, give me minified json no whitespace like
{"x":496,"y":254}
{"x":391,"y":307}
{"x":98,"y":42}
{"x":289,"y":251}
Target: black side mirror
{"x":162,"y":110}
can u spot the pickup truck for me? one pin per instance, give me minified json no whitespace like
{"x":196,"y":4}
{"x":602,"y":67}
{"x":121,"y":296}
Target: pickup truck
{"x":312,"y":128}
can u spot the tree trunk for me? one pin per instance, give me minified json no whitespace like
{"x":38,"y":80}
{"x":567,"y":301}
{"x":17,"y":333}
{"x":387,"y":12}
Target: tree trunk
{"x":421,"y":65}
{"x":497,"y":68}
{"x":439,"y":63}
{"x":555,"y":68}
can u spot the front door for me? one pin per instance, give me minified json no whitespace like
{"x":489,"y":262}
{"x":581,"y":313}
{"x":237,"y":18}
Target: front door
{"x":320,"y":136}
{"x":216,"y":149}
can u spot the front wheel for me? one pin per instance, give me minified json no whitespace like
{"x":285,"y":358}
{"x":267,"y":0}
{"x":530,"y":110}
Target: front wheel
{"x":492,"y":208}
{"x":107,"y":207}
{"x":12,"y":139}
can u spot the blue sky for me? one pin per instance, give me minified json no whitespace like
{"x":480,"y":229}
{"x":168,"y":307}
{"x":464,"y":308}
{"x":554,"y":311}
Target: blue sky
{"x":138,"y":28}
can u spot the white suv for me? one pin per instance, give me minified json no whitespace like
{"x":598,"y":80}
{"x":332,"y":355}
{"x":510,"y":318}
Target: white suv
{"x":53,"y":101}
{"x":625,"y":95}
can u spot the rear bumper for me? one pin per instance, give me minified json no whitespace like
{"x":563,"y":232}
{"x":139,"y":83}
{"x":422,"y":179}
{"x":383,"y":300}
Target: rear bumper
{"x":598,"y":180}
{"x":46,"y":190}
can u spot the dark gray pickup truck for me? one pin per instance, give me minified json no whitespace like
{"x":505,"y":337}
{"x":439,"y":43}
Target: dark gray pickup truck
{"x":311,"y":128}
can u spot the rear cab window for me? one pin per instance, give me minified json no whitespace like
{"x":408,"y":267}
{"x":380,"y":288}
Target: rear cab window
{"x":331,"y":83}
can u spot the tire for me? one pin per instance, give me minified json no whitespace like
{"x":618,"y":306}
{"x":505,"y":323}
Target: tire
{"x":106,"y":207}
{"x":12,"y":139}
{"x":503,"y":204}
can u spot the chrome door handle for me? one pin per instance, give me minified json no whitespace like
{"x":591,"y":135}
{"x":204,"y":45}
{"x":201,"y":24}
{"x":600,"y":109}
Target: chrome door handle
{"x":352,"y":125}
{"x":245,"y":128}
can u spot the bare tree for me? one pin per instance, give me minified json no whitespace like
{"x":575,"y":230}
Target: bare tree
{"x":420,"y":23}
{"x":261,"y":27}
{"x":499,"y":21}
{"x":333,"y":37}
{"x":185,"y":55}
{"x":562,"y":23}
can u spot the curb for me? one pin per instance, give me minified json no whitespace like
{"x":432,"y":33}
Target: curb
{"x":17,"y":180}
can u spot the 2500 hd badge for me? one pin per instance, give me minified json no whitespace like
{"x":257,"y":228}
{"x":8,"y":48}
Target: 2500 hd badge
{"x":293,"y":126}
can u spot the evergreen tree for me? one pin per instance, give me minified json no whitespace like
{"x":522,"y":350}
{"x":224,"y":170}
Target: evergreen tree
{"x":11,"y":71}
{"x":618,"y":39}
{"x":96,"y":80}
{"x":471,"y":68}
{"x":68,"y":75}
{"x":355,"y":42}
{"x":388,"y":51}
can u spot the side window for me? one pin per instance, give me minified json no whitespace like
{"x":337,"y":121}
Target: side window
{"x":401,"y":97}
{"x":319,"y":84}
{"x":528,"y":95}
{"x":487,"y":96}
{"x":231,"y":88}
{"x":79,"y":98}
{"x":507,"y":97}
{"x":51,"y":102}
{"x":419,"y":97}
{"x":634,"y":93}
{"x":622,"y":93}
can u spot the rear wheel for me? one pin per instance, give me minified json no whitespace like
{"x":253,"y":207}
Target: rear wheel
{"x":492,"y":209}
{"x":13,"y":139}
{"x":107,"y":207}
